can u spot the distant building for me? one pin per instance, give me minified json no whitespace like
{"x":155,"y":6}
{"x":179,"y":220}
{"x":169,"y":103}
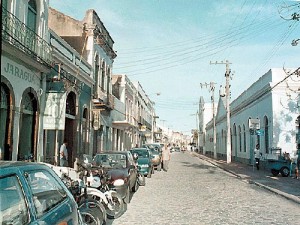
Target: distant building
{"x":274,"y":101}
{"x":139,"y":121}
{"x":205,"y":115}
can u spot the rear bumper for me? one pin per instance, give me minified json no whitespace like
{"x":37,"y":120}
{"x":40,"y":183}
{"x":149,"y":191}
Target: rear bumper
{"x":145,"y":171}
{"x":156,"y":161}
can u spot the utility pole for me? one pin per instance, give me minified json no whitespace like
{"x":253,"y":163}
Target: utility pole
{"x":212,"y":90}
{"x":227,"y":93}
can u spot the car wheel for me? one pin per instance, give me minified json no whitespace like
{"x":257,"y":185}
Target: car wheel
{"x":127,"y":197}
{"x":275,"y":172}
{"x":159,"y":167}
{"x":285,"y":171}
{"x":141,"y":179}
{"x":92,"y":212}
{"x":152,"y":170}
{"x":136,"y":186}
{"x":117,"y":205}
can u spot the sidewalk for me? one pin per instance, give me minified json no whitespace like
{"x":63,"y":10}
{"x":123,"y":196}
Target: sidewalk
{"x":284,"y":186}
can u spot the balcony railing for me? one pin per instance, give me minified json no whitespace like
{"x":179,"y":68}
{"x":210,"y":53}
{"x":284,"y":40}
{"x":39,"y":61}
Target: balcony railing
{"x":15,"y":32}
{"x":104,"y":100}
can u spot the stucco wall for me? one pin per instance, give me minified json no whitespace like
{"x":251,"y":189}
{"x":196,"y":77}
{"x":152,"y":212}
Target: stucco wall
{"x":268,"y":99}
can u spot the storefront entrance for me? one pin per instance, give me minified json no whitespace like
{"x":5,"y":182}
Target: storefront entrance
{"x":28,"y":127}
{"x":5,"y":123}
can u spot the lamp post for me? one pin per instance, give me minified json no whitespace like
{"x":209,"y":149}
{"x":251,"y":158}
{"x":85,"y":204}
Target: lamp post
{"x":295,"y":42}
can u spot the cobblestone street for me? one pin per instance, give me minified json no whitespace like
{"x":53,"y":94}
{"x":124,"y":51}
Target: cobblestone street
{"x":194,"y":191}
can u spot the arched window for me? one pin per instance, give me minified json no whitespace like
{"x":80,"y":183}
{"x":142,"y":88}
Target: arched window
{"x":71,"y":105}
{"x":240,"y":138}
{"x":32,"y":15}
{"x":266,"y":123}
{"x":4,"y":112}
{"x":85,"y":130}
{"x":108,"y":81}
{"x":84,"y":114}
{"x":234,"y":138}
{"x":245,"y":146}
{"x":28,"y":121}
{"x":102,"y":75}
{"x":96,"y":76}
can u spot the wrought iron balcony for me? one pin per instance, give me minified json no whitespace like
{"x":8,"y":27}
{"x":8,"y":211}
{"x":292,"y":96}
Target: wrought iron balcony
{"x":16,"y":33}
{"x":104,"y":101}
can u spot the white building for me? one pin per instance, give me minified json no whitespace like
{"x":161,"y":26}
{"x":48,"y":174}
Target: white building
{"x":205,"y":115}
{"x":25,"y":59}
{"x":274,"y":101}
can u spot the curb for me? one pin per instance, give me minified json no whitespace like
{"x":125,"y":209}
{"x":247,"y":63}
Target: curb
{"x":250,"y":181}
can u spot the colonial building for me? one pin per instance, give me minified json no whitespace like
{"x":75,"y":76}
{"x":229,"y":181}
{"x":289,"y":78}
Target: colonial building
{"x":67,"y":113}
{"x":139,"y":123}
{"x":91,"y":39}
{"x":144,"y":110}
{"x":25,"y":60}
{"x":267,"y":113}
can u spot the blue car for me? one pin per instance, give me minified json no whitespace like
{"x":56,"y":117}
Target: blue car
{"x":32,"y":193}
{"x":144,"y":161}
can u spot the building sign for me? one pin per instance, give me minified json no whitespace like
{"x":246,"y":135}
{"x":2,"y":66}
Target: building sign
{"x":254,"y":124}
{"x":55,"y":111}
{"x":18,"y":73}
{"x":260,"y":132}
{"x":143,"y":128}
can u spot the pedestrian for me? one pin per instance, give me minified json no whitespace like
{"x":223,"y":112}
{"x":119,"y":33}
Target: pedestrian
{"x":166,"y":156}
{"x":63,"y":154}
{"x":257,"y":155}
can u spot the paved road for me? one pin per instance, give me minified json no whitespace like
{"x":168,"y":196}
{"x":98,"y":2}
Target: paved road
{"x":194,"y":191}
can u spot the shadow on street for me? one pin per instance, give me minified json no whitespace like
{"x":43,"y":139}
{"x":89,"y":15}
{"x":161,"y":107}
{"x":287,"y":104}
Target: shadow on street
{"x":211,"y":169}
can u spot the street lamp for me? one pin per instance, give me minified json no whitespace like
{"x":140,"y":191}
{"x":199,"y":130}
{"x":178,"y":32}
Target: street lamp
{"x":295,"y":42}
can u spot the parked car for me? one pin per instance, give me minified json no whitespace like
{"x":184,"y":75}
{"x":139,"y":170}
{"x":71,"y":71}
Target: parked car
{"x":144,"y":161}
{"x":32,"y":193}
{"x":156,"y":152}
{"x":176,"y":149}
{"x":121,"y":168}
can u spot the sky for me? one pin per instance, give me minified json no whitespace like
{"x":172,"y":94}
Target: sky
{"x":167,"y":45}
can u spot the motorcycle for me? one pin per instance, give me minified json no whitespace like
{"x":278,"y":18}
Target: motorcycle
{"x":99,"y":190}
{"x":92,"y":212}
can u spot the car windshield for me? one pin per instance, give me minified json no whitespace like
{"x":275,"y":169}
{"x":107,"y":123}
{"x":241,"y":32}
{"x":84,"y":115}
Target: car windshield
{"x":141,"y":153}
{"x":117,"y":161}
{"x":154,"y":152}
{"x":153,"y":146}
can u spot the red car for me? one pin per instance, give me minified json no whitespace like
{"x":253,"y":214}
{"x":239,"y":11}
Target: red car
{"x":122,"y":168}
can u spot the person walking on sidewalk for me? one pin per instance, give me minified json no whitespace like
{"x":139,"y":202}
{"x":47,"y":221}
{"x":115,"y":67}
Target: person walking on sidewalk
{"x":63,"y":154}
{"x":257,"y":155}
{"x":166,"y":156}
